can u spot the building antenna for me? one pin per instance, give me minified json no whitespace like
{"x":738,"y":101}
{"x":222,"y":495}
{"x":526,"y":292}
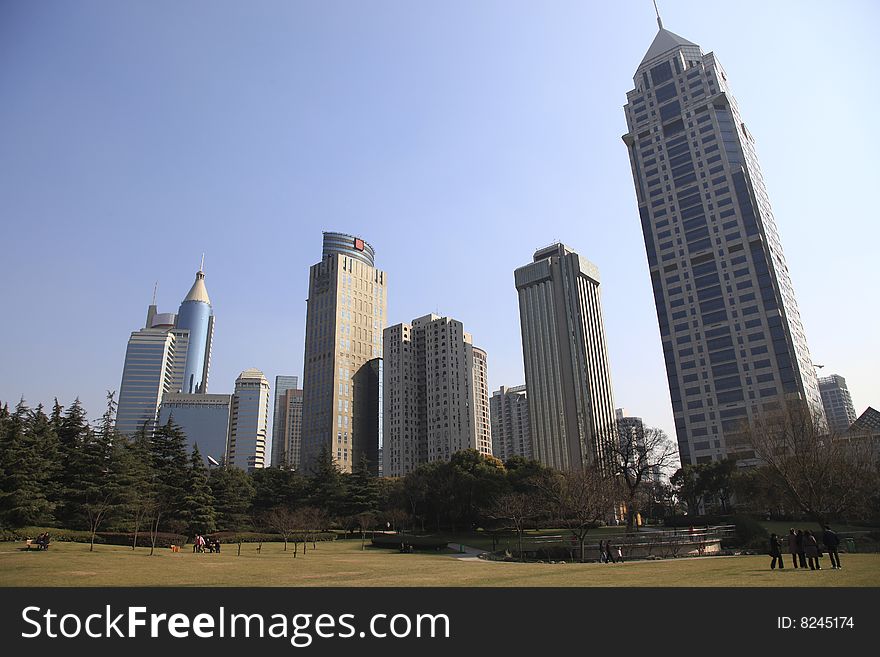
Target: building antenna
{"x":202,"y":263}
{"x":659,"y":20}
{"x":155,"y":289}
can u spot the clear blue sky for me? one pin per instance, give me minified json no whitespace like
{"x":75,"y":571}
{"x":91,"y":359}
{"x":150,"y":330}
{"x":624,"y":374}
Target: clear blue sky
{"x":456,"y":137}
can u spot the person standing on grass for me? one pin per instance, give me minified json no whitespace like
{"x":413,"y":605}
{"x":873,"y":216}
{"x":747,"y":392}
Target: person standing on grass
{"x":601,"y":551}
{"x":811,"y":548}
{"x":802,"y":555}
{"x":609,"y":550}
{"x":832,"y":541}
{"x":776,"y":553}
{"x":793,"y":547}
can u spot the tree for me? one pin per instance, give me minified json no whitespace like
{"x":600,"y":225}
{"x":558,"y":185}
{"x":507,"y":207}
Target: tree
{"x":822,"y":475}
{"x":140,"y":490}
{"x":362,"y":490}
{"x":580,"y":500}
{"x":690,"y":483}
{"x":283,"y":520}
{"x":199,"y":502}
{"x":233,"y":492}
{"x":517,"y":508}
{"x":28,"y":451}
{"x":168,"y":452}
{"x":635,"y":459}
{"x":326,"y":490}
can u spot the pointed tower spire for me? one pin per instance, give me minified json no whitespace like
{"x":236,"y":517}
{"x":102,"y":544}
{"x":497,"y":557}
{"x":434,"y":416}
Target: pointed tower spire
{"x":202,"y":263}
{"x":155,"y":290}
{"x":659,"y":20}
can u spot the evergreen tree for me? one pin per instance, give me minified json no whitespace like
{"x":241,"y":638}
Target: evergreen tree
{"x":275,"y":488}
{"x":23,"y":478}
{"x":362,"y":490}
{"x":233,"y":492}
{"x":73,"y":432}
{"x":199,"y":501}
{"x":168,"y":451}
{"x":327,"y":490}
{"x":140,"y":481}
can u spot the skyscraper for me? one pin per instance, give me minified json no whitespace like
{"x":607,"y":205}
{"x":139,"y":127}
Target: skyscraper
{"x":838,"y":404}
{"x":195,"y":315}
{"x":147,"y":375}
{"x":279,"y":444}
{"x":731,"y":332}
{"x":184,"y":366}
{"x":509,"y":413}
{"x":287,"y":438}
{"x":249,"y":423}
{"x":345,"y":317}
{"x":571,"y":403}
{"x":436,"y":399}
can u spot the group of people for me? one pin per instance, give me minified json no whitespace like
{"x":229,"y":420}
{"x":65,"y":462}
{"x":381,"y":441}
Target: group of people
{"x":42,"y":541}
{"x":805,"y":549}
{"x":203,"y":544}
{"x":608,"y":553}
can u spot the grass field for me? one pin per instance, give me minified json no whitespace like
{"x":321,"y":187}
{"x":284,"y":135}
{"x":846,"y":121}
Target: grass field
{"x":342,"y":563}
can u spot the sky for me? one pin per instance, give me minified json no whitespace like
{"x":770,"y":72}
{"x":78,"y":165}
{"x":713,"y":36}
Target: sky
{"x":455,"y":137}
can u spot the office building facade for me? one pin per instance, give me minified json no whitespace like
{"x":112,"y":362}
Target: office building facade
{"x":731,"y":333}
{"x":568,"y":377}
{"x":436,"y":398}
{"x":287,"y":439}
{"x":183,"y":368}
{"x":281,"y":456}
{"x":204,"y":419}
{"x":837,"y":402}
{"x":147,"y":375}
{"x":249,"y":421}
{"x":509,"y":413}
{"x":345,"y":316}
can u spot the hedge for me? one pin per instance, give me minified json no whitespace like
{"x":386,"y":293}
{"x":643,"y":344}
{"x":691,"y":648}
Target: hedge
{"x":257,"y":537}
{"x":419,"y":542}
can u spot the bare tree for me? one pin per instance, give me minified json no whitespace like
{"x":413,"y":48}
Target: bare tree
{"x":517,"y":508}
{"x":282,"y":520}
{"x":636,"y":460}
{"x":365,"y":520}
{"x":580,"y":500}
{"x":822,"y":474}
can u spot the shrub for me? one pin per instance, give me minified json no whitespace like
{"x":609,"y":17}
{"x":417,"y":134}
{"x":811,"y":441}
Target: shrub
{"x":418,"y":542}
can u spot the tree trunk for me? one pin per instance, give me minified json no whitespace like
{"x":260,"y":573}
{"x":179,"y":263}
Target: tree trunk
{"x":92,"y":542}
{"x":137,"y":526}
{"x":285,"y":543}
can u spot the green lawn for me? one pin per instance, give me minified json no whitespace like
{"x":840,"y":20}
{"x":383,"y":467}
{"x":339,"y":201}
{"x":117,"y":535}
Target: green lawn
{"x":342,"y":563}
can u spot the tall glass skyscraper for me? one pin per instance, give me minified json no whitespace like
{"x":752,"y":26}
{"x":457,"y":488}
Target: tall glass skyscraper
{"x":345,"y":317}
{"x":195,"y":316}
{"x":249,"y":421}
{"x":732,"y":336}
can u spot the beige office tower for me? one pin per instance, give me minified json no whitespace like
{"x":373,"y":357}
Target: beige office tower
{"x":436,"y":394}
{"x":345,"y":316}
{"x":571,"y":405}
{"x":249,"y":421}
{"x":287,"y":431}
{"x":509,"y":412}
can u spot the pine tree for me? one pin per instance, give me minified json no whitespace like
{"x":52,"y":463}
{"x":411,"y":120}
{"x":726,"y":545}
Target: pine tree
{"x":140,"y":483}
{"x":73,"y":433}
{"x":363,"y":490}
{"x":23,"y":478}
{"x":199,"y":501}
{"x":233,"y":492}
{"x":168,"y":451}
{"x":327,"y":491}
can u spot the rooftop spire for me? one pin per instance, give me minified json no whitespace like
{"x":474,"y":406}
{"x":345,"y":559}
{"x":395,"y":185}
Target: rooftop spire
{"x":155,"y":289}
{"x":198,"y":291}
{"x":202,"y":263}
{"x":659,"y":20}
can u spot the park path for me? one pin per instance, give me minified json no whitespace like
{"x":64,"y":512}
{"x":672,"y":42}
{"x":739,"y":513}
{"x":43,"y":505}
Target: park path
{"x":467,"y":553}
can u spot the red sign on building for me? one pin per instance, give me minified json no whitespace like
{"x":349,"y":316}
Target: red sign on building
{"x":358,"y":244}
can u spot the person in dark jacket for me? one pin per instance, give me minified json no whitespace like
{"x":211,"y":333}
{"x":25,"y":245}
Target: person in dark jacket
{"x":793,"y":547}
{"x":775,"y":553}
{"x":811,"y":548}
{"x":802,"y":556}
{"x":832,"y":541}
